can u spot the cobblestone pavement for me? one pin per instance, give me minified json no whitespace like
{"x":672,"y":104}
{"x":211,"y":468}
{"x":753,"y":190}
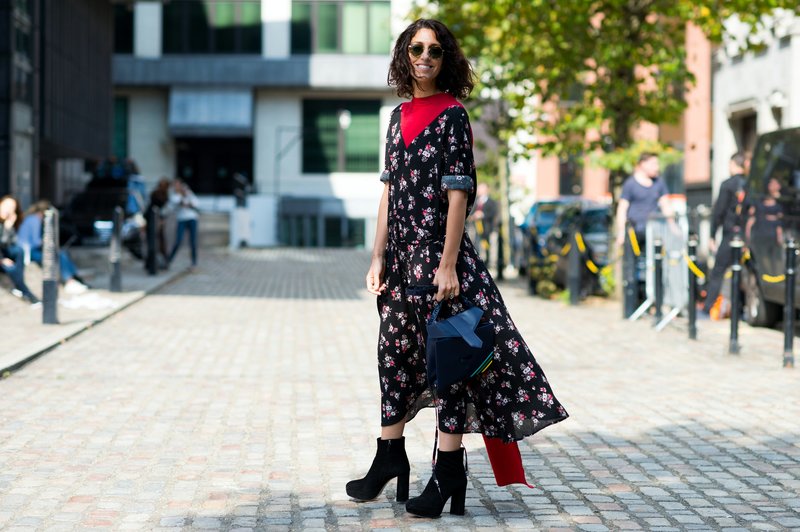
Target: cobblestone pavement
{"x":21,"y":329}
{"x":244,"y":396}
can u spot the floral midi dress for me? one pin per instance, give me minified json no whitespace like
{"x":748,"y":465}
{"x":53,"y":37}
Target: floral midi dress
{"x":510,"y":400}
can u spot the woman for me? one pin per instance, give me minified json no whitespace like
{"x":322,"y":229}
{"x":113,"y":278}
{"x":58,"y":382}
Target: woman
{"x":765,"y":219}
{"x":185,"y":203}
{"x":421,"y":255}
{"x":29,"y":237}
{"x":12,"y":257}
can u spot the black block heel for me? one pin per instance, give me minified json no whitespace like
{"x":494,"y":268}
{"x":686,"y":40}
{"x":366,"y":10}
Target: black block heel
{"x":390,"y":462}
{"x":457,"y":501}
{"x":402,"y":487}
{"x":448,"y":481}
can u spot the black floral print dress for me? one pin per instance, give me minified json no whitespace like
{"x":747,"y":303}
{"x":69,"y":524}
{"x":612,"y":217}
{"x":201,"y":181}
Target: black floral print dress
{"x":512,"y":399}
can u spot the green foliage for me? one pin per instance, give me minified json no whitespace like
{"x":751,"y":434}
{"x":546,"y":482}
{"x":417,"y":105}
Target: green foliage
{"x":546,"y":289}
{"x":562,"y":69}
{"x":624,"y":159}
{"x":563,"y":296}
{"x":543,"y":272}
{"x":608,"y":281}
{"x":487,"y":172}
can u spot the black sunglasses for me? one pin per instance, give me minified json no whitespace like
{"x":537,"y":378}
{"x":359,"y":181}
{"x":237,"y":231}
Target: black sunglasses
{"x":434,"y":51}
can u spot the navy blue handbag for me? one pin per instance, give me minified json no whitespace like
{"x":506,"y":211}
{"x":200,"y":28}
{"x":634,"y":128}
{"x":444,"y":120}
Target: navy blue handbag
{"x":459,"y":347}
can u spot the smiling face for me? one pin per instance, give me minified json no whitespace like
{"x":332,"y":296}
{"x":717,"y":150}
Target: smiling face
{"x":425,"y":68}
{"x":8,"y":207}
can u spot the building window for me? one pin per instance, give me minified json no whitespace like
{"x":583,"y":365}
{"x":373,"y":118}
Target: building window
{"x":570,"y":170}
{"x":212,"y":27}
{"x":123,"y":29}
{"x":22,"y":82}
{"x":341,"y":26}
{"x":331,"y":144}
{"x":119,"y":141}
{"x":22,"y":53}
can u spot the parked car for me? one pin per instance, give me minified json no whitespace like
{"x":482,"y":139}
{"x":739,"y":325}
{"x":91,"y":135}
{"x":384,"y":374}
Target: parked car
{"x":777,"y":156}
{"x":593,"y":220}
{"x":538,"y":222}
{"x":88,"y":217}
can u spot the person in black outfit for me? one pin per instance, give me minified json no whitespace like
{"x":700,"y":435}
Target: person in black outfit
{"x":12,"y":256}
{"x":766,"y":217}
{"x":730,"y":213}
{"x":486,"y":212}
{"x":159,"y":198}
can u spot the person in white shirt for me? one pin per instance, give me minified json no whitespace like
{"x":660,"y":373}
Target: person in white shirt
{"x":184,"y":203}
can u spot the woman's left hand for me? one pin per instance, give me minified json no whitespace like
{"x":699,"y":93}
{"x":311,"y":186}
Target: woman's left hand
{"x":446,"y":280}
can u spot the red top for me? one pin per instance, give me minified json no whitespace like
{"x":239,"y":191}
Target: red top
{"x":417,"y":114}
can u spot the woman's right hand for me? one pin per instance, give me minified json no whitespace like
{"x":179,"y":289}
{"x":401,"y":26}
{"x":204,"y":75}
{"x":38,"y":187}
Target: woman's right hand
{"x":10,"y":221}
{"x":375,"y":284}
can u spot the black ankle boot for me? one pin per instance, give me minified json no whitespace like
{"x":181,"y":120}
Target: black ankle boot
{"x":390,"y":461}
{"x":449,"y":479}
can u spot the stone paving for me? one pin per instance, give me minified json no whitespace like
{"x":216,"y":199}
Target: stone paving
{"x":21,"y":329}
{"x":244,"y":396}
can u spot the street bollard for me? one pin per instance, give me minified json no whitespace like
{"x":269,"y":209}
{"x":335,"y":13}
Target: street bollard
{"x":629,"y":282}
{"x":151,"y":262}
{"x":692,"y":288}
{"x":115,"y":251}
{"x":658,"y":248}
{"x":501,"y":261}
{"x":50,"y":267}
{"x":788,"y":307}
{"x":736,"y":248}
{"x":533,"y":265}
{"x":574,"y":270}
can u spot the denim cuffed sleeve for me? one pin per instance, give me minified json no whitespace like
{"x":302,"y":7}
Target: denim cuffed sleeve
{"x":457,"y":182}
{"x":458,"y":170}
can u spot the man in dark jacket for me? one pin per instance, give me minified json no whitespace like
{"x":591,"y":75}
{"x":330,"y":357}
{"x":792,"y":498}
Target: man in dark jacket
{"x":484,"y":216}
{"x":729,"y":213}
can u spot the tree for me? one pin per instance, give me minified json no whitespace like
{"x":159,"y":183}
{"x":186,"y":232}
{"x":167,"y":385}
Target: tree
{"x":581,"y":75}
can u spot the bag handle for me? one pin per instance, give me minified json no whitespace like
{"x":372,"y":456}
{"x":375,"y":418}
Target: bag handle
{"x":435,"y":314}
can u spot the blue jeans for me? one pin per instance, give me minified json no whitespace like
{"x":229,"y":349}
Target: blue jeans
{"x":67,"y":267}
{"x":183,"y":225}
{"x":16,"y":272}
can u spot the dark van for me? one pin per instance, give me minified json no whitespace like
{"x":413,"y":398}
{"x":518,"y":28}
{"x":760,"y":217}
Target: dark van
{"x":774,"y":191}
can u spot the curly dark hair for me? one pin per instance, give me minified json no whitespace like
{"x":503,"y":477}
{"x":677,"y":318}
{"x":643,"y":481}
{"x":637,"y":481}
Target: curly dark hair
{"x":456,"y":76}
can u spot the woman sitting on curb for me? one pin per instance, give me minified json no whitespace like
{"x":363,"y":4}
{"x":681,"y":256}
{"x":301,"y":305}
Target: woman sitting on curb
{"x":29,"y":236}
{"x":12,"y":258}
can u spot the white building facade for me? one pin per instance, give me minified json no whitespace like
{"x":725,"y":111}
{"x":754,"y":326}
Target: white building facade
{"x":289,"y":96}
{"x":754,"y":92}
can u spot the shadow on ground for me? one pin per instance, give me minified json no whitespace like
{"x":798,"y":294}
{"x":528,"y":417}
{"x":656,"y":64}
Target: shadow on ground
{"x":680,"y":476}
{"x":250,"y":273}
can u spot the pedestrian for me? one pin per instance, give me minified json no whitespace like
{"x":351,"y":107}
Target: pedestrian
{"x":12,"y":257}
{"x":484,"y":216}
{"x":643,"y":194}
{"x":421,"y":256}
{"x":29,"y":238}
{"x":730,"y":214}
{"x":159,"y":199}
{"x":183,"y":200}
{"x":765,"y":217}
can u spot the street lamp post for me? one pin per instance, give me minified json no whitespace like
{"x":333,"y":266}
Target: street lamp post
{"x":345,"y":119}
{"x":280,"y":152}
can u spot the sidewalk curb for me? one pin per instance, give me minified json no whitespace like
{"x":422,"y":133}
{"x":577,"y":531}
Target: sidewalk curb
{"x":8,"y":370}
